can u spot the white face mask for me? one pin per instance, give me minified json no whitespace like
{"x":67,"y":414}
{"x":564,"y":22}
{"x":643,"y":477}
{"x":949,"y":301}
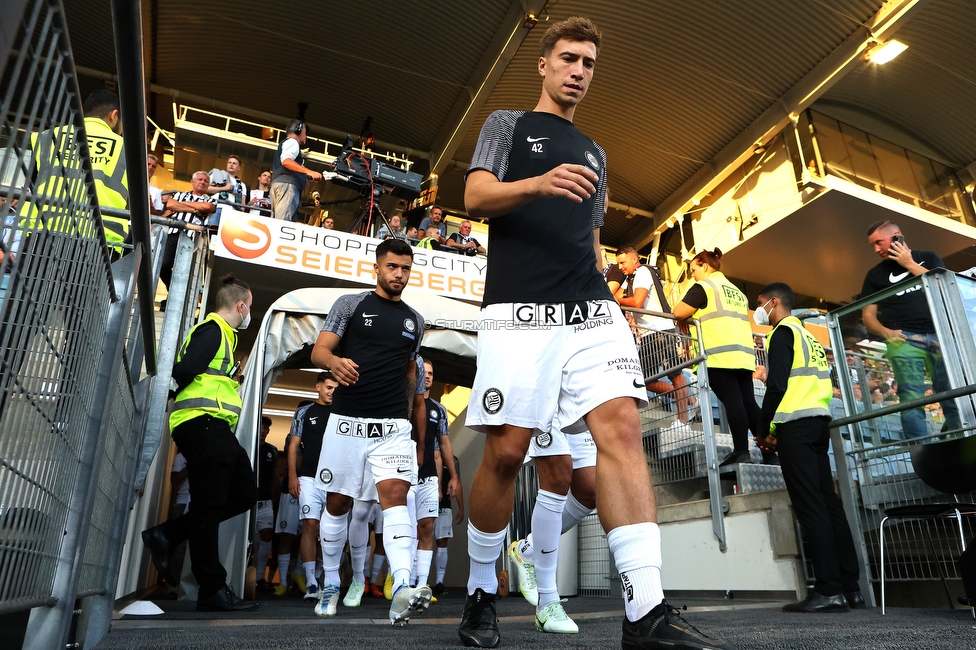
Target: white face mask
{"x":246,"y":321}
{"x":760,"y":317}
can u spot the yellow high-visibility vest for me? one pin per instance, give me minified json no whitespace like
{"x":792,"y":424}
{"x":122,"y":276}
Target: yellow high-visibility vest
{"x":808,"y":390}
{"x":726,"y":332}
{"x":213,"y":392}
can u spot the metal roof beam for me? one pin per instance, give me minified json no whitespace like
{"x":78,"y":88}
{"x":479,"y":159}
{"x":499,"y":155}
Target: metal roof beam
{"x":807,"y":90}
{"x":517,"y":24}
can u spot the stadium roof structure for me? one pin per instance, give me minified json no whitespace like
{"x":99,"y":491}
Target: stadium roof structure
{"x":683,"y":91}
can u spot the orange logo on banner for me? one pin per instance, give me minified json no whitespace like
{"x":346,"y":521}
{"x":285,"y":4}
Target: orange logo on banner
{"x":245,"y":238}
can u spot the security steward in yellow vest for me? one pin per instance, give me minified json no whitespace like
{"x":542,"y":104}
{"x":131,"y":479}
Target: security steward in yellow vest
{"x":723,"y":311}
{"x":796,"y":416}
{"x":222,"y":481}
{"x":59,"y":185}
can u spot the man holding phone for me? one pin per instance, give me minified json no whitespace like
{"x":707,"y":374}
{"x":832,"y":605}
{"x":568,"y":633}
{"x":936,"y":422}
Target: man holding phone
{"x":905,"y":324}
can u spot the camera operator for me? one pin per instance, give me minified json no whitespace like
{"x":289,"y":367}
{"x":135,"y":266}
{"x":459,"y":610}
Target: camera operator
{"x":289,"y":175}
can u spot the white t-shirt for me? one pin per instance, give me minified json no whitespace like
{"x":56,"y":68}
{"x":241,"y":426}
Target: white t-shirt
{"x":183,"y":493}
{"x":290,"y":149}
{"x":155,"y":198}
{"x":265,"y":201}
{"x":643,"y":280}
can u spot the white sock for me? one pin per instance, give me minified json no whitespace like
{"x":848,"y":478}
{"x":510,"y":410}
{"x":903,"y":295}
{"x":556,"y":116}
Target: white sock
{"x":358,"y":545}
{"x":546,"y":524}
{"x":423,"y":566}
{"x":309,"y":568}
{"x":637,"y":552}
{"x":440,"y":563}
{"x":398,"y":540}
{"x":413,"y":564}
{"x":483,"y":552}
{"x":332,"y":531}
{"x":378,"y":561}
{"x":573,"y":512}
{"x":261,"y":559}
{"x":284,"y":559}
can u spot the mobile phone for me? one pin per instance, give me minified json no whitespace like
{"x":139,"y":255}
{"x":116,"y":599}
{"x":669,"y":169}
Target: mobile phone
{"x":898,"y":238}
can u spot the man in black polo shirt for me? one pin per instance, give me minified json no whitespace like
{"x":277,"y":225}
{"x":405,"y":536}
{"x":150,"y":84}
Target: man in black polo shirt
{"x":370,"y":343}
{"x":427,"y":491}
{"x":307,"y":429}
{"x":905,"y":324}
{"x":543,"y":185}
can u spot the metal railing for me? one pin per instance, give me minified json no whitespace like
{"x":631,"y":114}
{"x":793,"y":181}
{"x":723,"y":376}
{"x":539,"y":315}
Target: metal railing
{"x":935,"y":402}
{"x":76,"y":333}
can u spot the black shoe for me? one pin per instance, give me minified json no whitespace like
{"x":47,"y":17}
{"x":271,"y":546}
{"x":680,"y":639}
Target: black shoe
{"x":770,"y":458}
{"x":855,"y":600}
{"x":964,"y":601}
{"x":161,"y":552}
{"x":816,"y":603}
{"x":735,"y":458}
{"x":224,"y":601}
{"x":479,"y":622}
{"x":666,"y":630}
{"x":264,"y":586}
{"x":440,"y":589}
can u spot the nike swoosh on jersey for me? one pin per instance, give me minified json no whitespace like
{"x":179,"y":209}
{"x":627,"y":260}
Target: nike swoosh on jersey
{"x":365,"y":315}
{"x":895,"y":279}
{"x":531,"y":139}
{"x":637,"y":384}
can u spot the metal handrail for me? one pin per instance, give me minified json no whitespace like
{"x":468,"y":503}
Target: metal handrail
{"x":952,"y":393}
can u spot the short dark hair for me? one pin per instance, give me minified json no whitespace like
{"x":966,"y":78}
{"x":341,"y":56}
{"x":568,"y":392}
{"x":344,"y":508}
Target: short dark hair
{"x":576,"y":28}
{"x":430,"y":363}
{"x":265,"y":421}
{"x":779,"y":290}
{"x":394,"y":247}
{"x":437,"y":207}
{"x":322,"y":376}
{"x":294,"y":124}
{"x":713,"y":258}
{"x":626,"y":248}
{"x":101,"y":103}
{"x":231,"y":291}
{"x":878,"y":225}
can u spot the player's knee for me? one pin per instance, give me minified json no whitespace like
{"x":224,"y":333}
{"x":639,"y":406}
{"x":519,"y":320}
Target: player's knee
{"x":506,"y":460}
{"x":442,"y":543}
{"x":425,"y":529}
{"x":555,"y":473}
{"x":310,"y":527}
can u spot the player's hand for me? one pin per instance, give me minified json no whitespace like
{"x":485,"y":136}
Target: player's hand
{"x":573,"y":182}
{"x":345,"y":371}
{"x":294,"y":487}
{"x":453,"y":487}
{"x":458,"y":517}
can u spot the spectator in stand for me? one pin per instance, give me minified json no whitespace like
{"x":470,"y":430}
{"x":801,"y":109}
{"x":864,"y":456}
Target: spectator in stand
{"x":193,"y":207}
{"x":723,"y":311}
{"x":226,"y":183}
{"x":328,"y":223}
{"x":431,"y":240}
{"x":261,"y":197}
{"x":462,"y":242}
{"x":386,"y":233}
{"x":412,"y":234}
{"x":289,"y":174}
{"x":642,"y":288}
{"x":436,"y":218}
{"x":155,"y":194}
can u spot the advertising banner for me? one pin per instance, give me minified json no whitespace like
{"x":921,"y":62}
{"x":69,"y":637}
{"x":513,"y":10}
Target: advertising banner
{"x":333,"y":254}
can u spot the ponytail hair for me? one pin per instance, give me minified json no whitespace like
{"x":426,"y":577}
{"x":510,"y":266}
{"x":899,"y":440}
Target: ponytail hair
{"x":712,"y":258}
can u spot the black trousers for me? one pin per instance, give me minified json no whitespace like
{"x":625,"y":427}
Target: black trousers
{"x":802,"y":446}
{"x":734,"y":389}
{"x":169,"y":257}
{"x":222,"y":485}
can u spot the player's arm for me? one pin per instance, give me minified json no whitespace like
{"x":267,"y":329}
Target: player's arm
{"x":438,"y":460}
{"x":417,"y":409}
{"x":448,"y":451}
{"x":323,"y":355}
{"x":459,"y":495}
{"x":485,"y":196}
{"x":294,"y":485}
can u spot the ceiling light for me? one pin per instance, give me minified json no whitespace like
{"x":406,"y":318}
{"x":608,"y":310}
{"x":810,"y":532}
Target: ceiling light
{"x":882,"y":53}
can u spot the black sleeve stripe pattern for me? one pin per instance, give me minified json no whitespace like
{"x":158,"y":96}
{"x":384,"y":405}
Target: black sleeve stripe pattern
{"x":342,"y":310}
{"x":495,"y":143}
{"x":600,"y":202}
{"x":421,"y":329}
{"x":443,"y":420}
